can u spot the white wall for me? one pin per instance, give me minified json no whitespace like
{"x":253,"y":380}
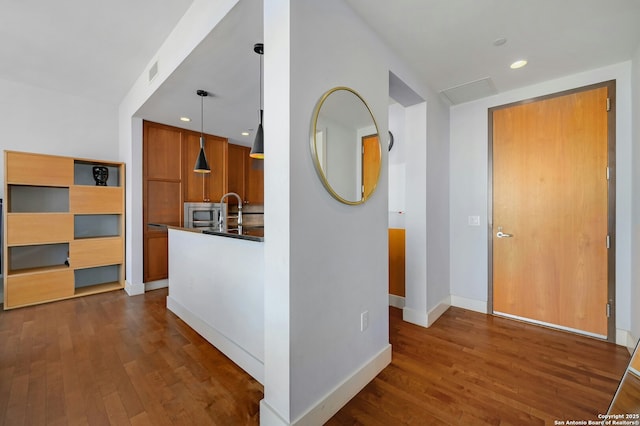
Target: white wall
{"x":469,"y":168}
{"x":635,"y":283}
{"x":397,"y":166}
{"x":437,"y":187}
{"x":33,"y":119}
{"x":425,"y":166}
{"x":326,"y":262}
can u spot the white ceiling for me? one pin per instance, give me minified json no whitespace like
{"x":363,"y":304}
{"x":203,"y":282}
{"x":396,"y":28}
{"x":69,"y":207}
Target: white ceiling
{"x":225,"y":65}
{"x":88,"y":48}
{"x":450,"y":42}
{"x":98,"y":49}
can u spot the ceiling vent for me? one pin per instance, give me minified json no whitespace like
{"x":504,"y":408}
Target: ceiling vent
{"x":470,"y":91}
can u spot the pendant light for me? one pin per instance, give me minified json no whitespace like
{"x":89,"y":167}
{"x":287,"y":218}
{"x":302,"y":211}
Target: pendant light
{"x":202,"y":166}
{"x":257,"y":150}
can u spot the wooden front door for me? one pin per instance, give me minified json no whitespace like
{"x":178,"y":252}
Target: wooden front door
{"x":550,"y":230}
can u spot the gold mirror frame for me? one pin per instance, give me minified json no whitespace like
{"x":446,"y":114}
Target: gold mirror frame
{"x":366,"y":193}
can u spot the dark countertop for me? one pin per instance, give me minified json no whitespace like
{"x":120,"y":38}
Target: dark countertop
{"x":249,"y":233}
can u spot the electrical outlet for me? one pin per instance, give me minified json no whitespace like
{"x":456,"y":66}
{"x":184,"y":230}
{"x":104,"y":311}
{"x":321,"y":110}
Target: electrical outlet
{"x":364,"y":320}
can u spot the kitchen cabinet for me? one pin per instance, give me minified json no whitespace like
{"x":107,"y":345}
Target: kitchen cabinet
{"x":204,"y":187}
{"x":236,"y":171}
{"x":254,"y":181}
{"x":162,"y":194}
{"x":169,"y":154}
{"x":246,"y":175}
{"x":64,"y":233}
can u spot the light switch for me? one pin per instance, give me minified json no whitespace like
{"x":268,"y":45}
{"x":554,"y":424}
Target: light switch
{"x":474,"y":220}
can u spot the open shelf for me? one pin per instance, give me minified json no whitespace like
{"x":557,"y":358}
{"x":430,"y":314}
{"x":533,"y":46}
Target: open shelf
{"x":37,"y":199}
{"x":98,"y":288}
{"x":96,"y":225}
{"x":36,"y":270}
{"x":100,"y":275}
{"x":83,"y":173}
{"x":27,"y":259}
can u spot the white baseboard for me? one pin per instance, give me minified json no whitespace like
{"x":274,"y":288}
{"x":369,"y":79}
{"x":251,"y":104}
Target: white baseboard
{"x":625,"y":338}
{"x":269,"y":417}
{"x":236,"y":353}
{"x":155,"y":285}
{"x":324,"y":409}
{"x":396,"y":301}
{"x":426,"y":319}
{"x":438,"y":310}
{"x":470,"y":304}
{"x":415,"y":317}
{"x":133,"y":289}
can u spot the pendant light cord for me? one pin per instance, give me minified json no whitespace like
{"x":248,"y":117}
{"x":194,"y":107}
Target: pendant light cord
{"x":201,"y":121}
{"x":261,"y":87}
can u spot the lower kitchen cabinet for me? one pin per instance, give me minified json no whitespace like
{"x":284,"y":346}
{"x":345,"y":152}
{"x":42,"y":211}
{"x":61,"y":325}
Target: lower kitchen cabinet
{"x":156,"y":257}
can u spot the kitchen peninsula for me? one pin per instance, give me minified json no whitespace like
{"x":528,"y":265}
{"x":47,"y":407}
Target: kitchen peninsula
{"x":216,"y":286}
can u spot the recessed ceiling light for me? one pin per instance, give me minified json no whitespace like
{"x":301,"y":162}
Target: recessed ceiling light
{"x":187,"y":119}
{"x":245,"y":133}
{"x":518,"y":64}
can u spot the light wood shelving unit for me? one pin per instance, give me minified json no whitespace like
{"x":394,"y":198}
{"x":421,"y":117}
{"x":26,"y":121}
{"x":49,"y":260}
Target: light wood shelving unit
{"x":64,"y":236}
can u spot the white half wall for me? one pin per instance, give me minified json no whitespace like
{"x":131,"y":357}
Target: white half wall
{"x":216,"y":285}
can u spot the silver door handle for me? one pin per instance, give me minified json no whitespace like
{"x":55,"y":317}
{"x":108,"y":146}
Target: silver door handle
{"x":501,"y":234}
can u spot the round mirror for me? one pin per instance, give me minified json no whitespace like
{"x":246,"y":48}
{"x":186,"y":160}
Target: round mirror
{"x":345,"y":145}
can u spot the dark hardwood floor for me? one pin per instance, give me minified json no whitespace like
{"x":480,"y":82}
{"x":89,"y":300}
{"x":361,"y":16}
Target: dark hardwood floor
{"x":115,"y":359}
{"x":475,"y":369}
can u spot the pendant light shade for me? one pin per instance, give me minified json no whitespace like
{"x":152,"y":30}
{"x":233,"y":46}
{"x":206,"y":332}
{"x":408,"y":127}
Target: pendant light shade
{"x":202,"y":166}
{"x":257,"y":150}
{"x":201,"y":162}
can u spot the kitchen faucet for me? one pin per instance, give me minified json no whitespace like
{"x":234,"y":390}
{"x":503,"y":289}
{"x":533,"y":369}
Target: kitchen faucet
{"x":222,"y":221}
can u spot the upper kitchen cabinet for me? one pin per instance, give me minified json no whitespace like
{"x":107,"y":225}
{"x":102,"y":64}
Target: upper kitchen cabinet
{"x":246,"y":175}
{"x":169,"y":154}
{"x":162,"y":194}
{"x":162,"y":184}
{"x":236,"y":170}
{"x":254,"y":180}
{"x":204,"y":187}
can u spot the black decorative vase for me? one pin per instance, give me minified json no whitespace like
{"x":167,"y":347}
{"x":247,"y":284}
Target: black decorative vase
{"x":100,"y":175}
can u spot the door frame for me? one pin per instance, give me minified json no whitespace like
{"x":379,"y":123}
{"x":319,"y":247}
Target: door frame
{"x":611,"y":194}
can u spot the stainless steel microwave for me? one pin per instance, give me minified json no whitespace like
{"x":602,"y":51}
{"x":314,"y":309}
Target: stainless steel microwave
{"x":202,"y":215}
